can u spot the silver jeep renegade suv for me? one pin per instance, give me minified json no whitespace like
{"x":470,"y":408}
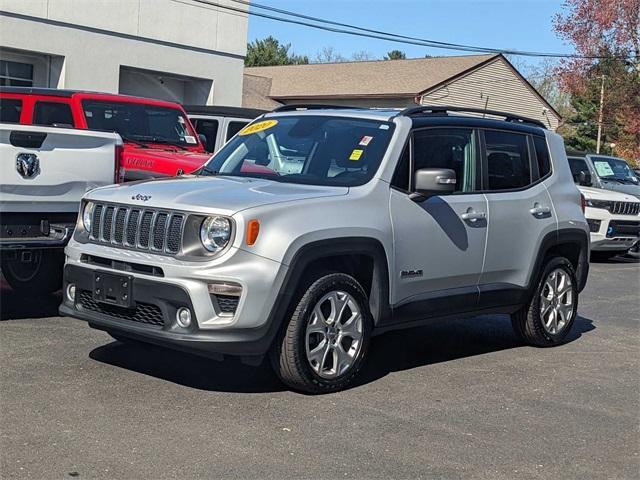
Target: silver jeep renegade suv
{"x":314,"y":229}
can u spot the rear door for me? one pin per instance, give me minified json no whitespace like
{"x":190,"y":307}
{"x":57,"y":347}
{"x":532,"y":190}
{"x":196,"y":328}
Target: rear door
{"x":520,"y":212}
{"x":439,"y":242}
{"x":52,"y":168}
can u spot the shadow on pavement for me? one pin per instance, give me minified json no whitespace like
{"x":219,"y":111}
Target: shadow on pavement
{"x":15,"y":306}
{"x":394,"y":351}
{"x":189,"y":370}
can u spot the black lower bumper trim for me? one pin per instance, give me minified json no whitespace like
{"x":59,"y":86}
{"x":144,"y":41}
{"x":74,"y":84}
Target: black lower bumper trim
{"x":168,"y":298}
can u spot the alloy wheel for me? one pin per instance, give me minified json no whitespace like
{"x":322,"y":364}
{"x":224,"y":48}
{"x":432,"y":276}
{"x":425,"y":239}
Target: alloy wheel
{"x":334,"y":335}
{"x":556,"y":301}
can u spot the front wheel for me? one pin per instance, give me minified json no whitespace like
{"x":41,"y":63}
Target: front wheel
{"x":324,"y":343}
{"x":33,"y":272}
{"x":551,"y":312}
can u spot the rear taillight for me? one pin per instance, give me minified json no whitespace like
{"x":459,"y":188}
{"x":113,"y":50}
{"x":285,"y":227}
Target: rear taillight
{"x":118,"y":174}
{"x":583,"y":202}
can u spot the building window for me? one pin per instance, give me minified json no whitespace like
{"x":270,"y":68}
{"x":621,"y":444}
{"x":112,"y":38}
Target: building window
{"x":16,"y":74}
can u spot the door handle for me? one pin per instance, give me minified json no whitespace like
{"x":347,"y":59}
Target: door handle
{"x":472,"y":216}
{"x":538,"y":210}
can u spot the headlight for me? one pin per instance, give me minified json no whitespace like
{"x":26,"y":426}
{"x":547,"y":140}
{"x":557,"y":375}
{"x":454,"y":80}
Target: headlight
{"x":87,"y":216}
{"x":215,"y":233}
{"x":599,"y":204}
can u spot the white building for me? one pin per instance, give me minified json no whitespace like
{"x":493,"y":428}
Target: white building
{"x":176,"y":50}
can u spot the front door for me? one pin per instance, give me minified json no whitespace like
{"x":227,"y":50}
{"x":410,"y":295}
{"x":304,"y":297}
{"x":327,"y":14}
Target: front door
{"x":438,"y":242}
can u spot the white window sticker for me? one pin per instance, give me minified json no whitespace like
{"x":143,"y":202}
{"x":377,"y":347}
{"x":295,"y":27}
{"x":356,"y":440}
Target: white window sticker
{"x":603,"y":169}
{"x":365,"y":140}
{"x":190,"y":139}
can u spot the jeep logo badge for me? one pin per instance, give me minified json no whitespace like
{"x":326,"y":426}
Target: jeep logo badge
{"x":27,"y":165}
{"x":139,"y":196}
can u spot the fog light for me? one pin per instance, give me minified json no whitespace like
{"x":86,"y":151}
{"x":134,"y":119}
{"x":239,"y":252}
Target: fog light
{"x":183,"y":317}
{"x":71,"y":292}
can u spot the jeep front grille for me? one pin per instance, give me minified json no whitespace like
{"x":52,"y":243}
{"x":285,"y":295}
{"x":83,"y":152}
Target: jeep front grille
{"x":137,"y":228}
{"x":626,"y":208}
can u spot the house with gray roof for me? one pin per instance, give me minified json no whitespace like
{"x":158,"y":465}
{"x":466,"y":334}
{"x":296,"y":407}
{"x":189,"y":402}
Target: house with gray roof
{"x":488,"y":82}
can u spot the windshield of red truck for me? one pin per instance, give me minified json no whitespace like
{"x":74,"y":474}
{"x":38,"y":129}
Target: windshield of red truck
{"x":140,"y":123}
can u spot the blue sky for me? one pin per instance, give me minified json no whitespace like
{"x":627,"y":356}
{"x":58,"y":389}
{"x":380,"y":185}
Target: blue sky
{"x":515,"y":24}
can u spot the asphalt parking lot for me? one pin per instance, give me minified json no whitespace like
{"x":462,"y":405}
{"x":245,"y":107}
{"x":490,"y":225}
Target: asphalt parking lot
{"x":457,"y":400}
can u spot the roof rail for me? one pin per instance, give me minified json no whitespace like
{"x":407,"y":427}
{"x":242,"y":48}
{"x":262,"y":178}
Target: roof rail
{"x":445,"y":109}
{"x":293,"y":107}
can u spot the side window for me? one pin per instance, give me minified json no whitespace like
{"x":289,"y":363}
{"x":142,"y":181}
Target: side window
{"x":208,"y":128}
{"x":542,"y":155}
{"x":10,"y":109}
{"x":577,"y":165}
{"x":507,"y":160}
{"x":55,"y":114}
{"x":452,"y":148}
{"x":235,"y":127}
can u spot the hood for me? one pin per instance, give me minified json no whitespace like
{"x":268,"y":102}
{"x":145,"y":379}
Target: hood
{"x":222,"y":195}
{"x":162,"y":159}
{"x":619,"y":187}
{"x":600,"y":194}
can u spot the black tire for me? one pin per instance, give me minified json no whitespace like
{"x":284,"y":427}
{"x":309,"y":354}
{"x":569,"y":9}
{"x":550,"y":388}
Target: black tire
{"x":527,"y":323}
{"x":42,"y":275}
{"x":288,"y":355}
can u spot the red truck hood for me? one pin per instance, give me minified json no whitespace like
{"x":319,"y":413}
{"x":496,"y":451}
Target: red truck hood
{"x":162,"y":160}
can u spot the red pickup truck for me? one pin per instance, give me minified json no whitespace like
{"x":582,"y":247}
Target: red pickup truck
{"x":159,"y":140}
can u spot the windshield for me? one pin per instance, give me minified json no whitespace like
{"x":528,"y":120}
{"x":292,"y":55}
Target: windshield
{"x":614,"y":169}
{"x":138,"y":122}
{"x":318,"y":150}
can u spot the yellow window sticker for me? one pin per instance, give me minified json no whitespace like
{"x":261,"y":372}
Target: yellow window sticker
{"x":258,"y":127}
{"x":356,"y":154}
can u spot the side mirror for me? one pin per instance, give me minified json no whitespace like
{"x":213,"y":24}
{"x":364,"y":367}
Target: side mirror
{"x":434,"y":181}
{"x":584,"y":179}
{"x":203,"y":138}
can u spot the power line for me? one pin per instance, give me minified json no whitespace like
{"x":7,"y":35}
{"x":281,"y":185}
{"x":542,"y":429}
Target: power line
{"x":381,"y":35}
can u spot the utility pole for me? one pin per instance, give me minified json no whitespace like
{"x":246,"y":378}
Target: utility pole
{"x":600,"y":115}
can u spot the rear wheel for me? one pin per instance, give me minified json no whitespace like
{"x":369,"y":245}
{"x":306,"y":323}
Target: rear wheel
{"x":549,"y":316}
{"x":33,"y":272}
{"x":324,"y":343}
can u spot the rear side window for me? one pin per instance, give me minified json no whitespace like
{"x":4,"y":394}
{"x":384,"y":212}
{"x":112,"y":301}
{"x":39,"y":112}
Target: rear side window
{"x":208,"y":128}
{"x":542,"y":156}
{"x":54,"y":114}
{"x":235,"y":127}
{"x":507,"y":160}
{"x":10,"y":109}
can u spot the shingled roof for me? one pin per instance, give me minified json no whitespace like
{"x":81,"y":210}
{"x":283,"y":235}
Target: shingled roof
{"x":380,"y":78}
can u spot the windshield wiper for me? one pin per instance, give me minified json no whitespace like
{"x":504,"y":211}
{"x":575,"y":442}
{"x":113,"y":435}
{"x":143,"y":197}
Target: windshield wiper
{"x":136,"y":142}
{"x":619,"y":180}
{"x":152,"y":139}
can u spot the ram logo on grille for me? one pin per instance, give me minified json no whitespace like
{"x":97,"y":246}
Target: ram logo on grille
{"x":137,"y":228}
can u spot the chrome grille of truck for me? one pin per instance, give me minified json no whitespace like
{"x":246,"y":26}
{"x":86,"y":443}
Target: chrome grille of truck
{"x":626,"y":208}
{"x":137,"y":228}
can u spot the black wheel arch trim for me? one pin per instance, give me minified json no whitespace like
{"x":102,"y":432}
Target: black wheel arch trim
{"x":567,"y":236}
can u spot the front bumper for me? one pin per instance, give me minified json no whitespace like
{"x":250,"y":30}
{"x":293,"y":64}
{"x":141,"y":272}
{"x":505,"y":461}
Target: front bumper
{"x":161,"y":285}
{"x":612,"y":232}
{"x":156,"y":324}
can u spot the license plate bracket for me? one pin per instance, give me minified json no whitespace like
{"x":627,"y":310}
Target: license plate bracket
{"x":113,"y":289}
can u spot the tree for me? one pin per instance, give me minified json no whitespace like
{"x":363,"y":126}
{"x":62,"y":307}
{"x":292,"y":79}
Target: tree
{"x":270,"y":51}
{"x":362,"y":56}
{"x":609,"y":29}
{"x":395,"y":55}
{"x":329,"y":55}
